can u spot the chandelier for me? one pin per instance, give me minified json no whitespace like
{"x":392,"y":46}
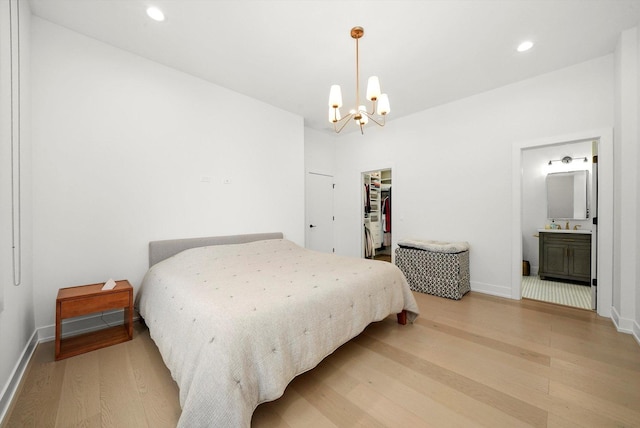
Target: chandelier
{"x":379,"y":102}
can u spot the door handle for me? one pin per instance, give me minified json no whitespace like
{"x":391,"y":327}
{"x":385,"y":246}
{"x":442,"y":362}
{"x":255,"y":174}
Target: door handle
{"x":312,"y":225}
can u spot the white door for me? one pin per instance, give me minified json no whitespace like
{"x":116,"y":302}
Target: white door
{"x":319,"y":212}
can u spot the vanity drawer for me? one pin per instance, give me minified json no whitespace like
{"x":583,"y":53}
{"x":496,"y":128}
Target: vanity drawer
{"x":566,"y":238}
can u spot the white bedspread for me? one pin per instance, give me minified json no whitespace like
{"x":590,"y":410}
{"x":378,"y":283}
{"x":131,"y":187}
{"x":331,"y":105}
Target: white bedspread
{"x":236,"y":323}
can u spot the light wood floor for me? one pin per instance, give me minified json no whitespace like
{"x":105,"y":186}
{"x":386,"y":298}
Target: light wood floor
{"x":481,"y":361}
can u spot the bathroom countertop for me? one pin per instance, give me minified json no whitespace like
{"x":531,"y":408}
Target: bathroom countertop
{"x":583,"y":231}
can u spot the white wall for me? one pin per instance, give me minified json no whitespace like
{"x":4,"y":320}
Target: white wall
{"x":626,"y":281}
{"x":120,"y":148}
{"x":319,"y":152}
{"x":452,"y":164}
{"x":534,"y":191}
{"x":17,"y":314}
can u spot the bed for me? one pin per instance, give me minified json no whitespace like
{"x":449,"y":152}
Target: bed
{"x":237,"y":318}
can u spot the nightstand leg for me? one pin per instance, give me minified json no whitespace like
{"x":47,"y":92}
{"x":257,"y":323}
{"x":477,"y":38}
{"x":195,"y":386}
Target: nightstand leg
{"x":128,"y":316}
{"x":58,"y":330}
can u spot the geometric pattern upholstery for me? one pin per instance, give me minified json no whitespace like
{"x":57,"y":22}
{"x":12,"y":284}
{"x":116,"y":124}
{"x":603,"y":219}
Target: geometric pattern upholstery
{"x":440,"y":274}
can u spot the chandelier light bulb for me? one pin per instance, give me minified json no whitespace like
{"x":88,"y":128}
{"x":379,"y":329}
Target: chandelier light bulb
{"x":335,"y":96}
{"x":373,"y":88}
{"x":383,"y":105}
{"x":364,"y":119}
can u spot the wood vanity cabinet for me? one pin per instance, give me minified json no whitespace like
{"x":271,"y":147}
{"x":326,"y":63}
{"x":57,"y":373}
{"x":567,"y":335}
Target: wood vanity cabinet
{"x":565,"y":256}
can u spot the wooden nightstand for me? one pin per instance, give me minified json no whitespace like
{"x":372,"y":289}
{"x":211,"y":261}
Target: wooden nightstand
{"x":87,"y":299}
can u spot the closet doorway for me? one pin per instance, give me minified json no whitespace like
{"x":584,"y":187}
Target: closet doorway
{"x":376,"y":214}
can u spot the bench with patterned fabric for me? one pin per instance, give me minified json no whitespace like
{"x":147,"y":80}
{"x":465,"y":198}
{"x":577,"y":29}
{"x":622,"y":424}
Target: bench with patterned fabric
{"x":433,"y":267}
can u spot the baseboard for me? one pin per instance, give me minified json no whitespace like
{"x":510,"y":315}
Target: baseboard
{"x":636,"y":332}
{"x":623,"y":325}
{"x":70,"y":327}
{"x":494,"y":290}
{"x":11,"y":387}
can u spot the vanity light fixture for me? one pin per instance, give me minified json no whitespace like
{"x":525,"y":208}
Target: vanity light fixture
{"x":155,"y":13}
{"x":379,"y":102}
{"x":567,"y":160}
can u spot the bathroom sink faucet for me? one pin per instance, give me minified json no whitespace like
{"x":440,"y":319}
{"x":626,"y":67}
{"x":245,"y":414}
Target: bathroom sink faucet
{"x":567,"y":226}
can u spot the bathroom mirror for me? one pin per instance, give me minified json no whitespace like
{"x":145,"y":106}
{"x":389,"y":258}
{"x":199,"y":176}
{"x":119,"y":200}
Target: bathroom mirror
{"x":567,"y":195}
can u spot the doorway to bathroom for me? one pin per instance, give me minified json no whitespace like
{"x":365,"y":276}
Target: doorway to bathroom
{"x":602,"y":260}
{"x":377,"y":214}
{"x":559,"y":245}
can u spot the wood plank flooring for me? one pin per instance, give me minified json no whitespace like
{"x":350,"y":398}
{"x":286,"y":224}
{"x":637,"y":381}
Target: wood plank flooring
{"x":482,"y":361}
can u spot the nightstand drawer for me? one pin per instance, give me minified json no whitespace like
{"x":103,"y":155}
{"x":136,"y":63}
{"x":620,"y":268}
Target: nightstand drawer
{"x":76,"y":307}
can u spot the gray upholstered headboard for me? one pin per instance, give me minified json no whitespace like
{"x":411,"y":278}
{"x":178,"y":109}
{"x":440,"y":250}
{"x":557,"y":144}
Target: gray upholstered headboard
{"x":160,"y":250}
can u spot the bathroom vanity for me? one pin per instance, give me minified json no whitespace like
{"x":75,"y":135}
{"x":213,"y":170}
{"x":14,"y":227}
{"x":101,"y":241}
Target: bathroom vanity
{"x":565,"y":254}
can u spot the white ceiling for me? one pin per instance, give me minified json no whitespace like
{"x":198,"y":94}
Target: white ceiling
{"x":288,"y":53}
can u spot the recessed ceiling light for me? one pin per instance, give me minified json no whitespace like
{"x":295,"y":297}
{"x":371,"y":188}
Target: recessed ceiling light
{"x":155,"y":13}
{"x":525,"y":46}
